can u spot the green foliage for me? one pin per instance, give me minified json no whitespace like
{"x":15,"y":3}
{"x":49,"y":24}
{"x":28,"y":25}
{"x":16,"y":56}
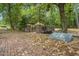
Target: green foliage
{"x":69,"y":10}
{"x":23,"y":23}
{"x":48,"y":14}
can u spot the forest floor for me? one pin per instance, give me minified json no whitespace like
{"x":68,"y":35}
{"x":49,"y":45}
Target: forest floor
{"x":35,"y":44}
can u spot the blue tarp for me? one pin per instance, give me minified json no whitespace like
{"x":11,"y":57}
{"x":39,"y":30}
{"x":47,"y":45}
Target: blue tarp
{"x":67,"y":37}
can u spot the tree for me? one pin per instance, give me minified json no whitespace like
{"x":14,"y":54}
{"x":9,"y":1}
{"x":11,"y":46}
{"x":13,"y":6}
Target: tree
{"x":51,"y":15}
{"x":76,"y":10}
{"x":9,"y":8}
{"x":69,"y":12}
{"x":63,"y":17}
{"x":14,"y":15}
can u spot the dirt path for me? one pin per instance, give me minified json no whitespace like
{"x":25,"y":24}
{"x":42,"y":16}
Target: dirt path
{"x":33,"y":44}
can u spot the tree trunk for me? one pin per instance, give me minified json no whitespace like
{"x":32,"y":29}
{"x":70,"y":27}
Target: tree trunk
{"x":63,"y":17}
{"x":77,"y":19}
{"x":76,"y":14}
{"x":50,"y":8}
{"x":53,"y":26}
{"x":9,"y":17}
{"x":39,"y":15}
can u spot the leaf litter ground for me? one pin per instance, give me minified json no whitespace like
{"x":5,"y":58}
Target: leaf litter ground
{"x":35,"y":44}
